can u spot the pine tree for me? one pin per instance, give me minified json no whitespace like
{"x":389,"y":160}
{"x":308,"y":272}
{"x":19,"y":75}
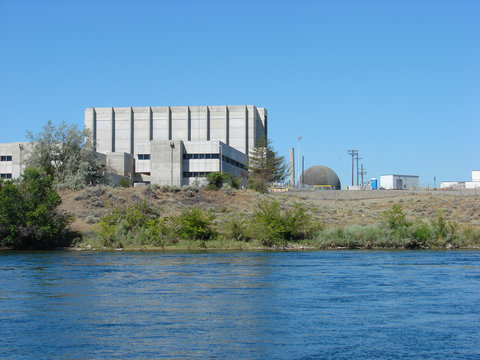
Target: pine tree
{"x":265,"y":164}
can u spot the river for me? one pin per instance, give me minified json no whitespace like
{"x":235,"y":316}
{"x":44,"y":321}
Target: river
{"x":240,"y":305}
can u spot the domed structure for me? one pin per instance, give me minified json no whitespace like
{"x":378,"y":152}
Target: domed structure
{"x":320,"y":175}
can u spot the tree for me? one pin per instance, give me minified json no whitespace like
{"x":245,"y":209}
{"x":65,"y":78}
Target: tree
{"x":265,"y":164}
{"x":29,"y":217}
{"x":68,"y":155}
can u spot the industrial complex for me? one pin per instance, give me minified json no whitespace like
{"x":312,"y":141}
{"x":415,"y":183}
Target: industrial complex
{"x":176,"y":145}
{"x":181,"y":145}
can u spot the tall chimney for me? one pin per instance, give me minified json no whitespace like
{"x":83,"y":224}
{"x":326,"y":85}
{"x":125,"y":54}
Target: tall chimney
{"x":291,"y":168}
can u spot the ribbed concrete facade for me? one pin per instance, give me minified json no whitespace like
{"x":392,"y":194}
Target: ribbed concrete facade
{"x":161,"y":139}
{"x":127,"y":129}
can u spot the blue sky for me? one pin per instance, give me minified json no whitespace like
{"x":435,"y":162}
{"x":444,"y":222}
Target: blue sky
{"x":397,"y":80}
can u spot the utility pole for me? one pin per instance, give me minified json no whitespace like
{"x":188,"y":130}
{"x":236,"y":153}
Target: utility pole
{"x":353,"y":153}
{"x":363,"y":171}
{"x":298,"y":167}
{"x":357,"y":166}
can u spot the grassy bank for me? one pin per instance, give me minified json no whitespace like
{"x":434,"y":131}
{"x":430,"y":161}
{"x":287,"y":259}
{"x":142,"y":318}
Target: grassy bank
{"x":209,"y":220}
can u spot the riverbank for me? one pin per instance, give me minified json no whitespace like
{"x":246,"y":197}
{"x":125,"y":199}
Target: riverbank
{"x":351,"y":220}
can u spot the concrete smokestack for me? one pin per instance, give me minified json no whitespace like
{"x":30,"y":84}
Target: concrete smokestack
{"x":291,"y":168}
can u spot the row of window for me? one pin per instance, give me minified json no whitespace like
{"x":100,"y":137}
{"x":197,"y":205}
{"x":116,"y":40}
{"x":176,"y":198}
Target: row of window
{"x":5,"y":176}
{"x":200,"y":156}
{"x":6,"y":158}
{"x":233,"y":162}
{"x":195,"y":173}
{"x":143,"y":156}
{"x":214,"y":156}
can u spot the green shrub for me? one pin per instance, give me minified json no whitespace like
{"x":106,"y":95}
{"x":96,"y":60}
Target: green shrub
{"x":125,"y":183}
{"x":395,"y":218}
{"x":237,"y":229}
{"x":139,"y":224}
{"x":170,"y":188}
{"x":29,"y":215}
{"x":423,"y":233}
{"x":216,"y":180}
{"x":257,"y":184}
{"x":439,"y":225}
{"x":227,"y":189}
{"x":190,"y":190}
{"x":196,"y":224}
{"x":274,"y":225}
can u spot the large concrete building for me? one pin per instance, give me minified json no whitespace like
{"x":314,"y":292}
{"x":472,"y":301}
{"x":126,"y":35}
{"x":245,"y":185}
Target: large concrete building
{"x":176,"y":145}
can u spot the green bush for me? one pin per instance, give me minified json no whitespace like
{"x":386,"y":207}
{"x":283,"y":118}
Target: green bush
{"x":237,"y":229}
{"x":196,"y":224}
{"x":274,"y":225}
{"x":29,"y":215}
{"x":395,"y":218}
{"x":227,"y":189}
{"x":257,"y":184}
{"x":139,"y":224}
{"x":190,"y":190}
{"x":422,"y":233}
{"x":124,"y":183}
{"x":440,"y":225}
{"x":170,"y":188}
{"x":216,"y":180}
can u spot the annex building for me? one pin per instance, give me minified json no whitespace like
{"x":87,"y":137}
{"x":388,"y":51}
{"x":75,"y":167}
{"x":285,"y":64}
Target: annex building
{"x":175,"y":145}
{"x":12,"y":156}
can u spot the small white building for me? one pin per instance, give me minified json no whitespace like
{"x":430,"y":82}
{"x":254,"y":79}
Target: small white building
{"x":399,"y":182}
{"x":474,"y":184}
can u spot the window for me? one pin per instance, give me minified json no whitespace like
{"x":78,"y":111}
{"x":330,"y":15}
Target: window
{"x":195,"y":173}
{"x":233,"y":162}
{"x":6,"y":158}
{"x":5,"y":176}
{"x":143,"y":156}
{"x":200,"y":156}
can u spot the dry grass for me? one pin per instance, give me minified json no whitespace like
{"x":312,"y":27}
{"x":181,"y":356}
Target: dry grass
{"x":88,"y":205}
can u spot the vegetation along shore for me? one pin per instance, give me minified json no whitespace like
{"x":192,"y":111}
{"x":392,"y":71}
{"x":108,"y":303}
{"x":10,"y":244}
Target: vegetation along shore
{"x":65,"y":200}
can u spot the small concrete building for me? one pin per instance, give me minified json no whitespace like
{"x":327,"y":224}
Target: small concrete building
{"x":399,"y":182}
{"x":176,"y":145}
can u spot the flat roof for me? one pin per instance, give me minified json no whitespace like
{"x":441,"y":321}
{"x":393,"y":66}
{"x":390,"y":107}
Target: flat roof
{"x":400,"y":175}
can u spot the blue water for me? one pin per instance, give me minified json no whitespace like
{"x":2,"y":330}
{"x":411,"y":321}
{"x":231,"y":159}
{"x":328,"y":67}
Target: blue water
{"x":240,"y":305}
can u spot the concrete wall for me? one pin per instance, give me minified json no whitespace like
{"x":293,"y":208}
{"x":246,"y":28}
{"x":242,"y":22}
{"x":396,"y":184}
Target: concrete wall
{"x":121,"y":129}
{"x":13,"y":168}
{"x":167,"y":162}
{"x":120,"y":163}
